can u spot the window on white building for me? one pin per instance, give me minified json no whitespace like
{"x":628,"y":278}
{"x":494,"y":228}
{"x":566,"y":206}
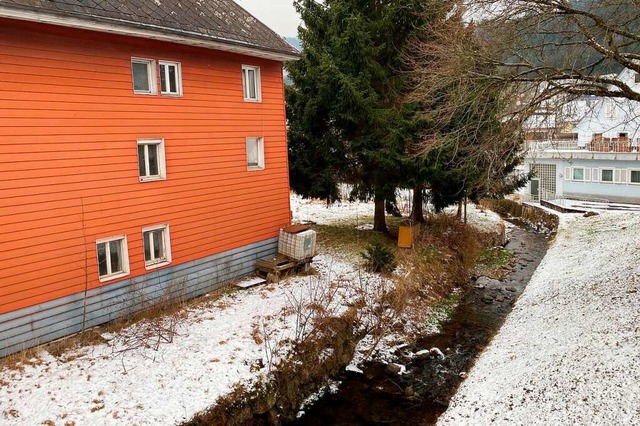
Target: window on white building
{"x":113,"y":258}
{"x":610,"y":108}
{"x":151,"y":162}
{"x":634,"y":176}
{"x":606,"y":175}
{"x":157,"y":246}
{"x":577,"y":174}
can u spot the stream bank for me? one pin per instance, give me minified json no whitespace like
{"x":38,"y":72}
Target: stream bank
{"x":380,"y":396}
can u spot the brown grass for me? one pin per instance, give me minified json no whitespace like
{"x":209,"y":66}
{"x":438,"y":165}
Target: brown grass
{"x":20,"y":360}
{"x":443,"y":258}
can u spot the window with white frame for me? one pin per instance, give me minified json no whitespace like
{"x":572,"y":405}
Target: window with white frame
{"x":610,"y":108}
{"x":577,"y":174}
{"x":151,"y":163}
{"x":255,"y":153}
{"x":606,"y":175}
{"x":634,"y":176}
{"x":113,"y":258}
{"x":251,"y":86}
{"x":157,"y":246}
{"x":170,"y":78}
{"x":144,"y":76}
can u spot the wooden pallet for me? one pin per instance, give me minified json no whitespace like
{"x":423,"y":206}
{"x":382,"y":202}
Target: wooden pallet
{"x":276,"y":268}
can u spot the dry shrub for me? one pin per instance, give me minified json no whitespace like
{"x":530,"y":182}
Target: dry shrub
{"x":458,"y":240}
{"x":379,"y":257}
{"x":444,"y":254}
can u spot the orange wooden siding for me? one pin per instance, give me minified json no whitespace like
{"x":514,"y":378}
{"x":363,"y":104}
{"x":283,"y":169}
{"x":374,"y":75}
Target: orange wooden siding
{"x":69,"y":125}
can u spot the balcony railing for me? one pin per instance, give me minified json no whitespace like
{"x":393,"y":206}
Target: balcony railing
{"x":620,"y":144}
{"x":597,"y":144}
{"x":560,"y":199}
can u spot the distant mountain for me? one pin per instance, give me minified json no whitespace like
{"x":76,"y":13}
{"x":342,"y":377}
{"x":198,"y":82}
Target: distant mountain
{"x":294,"y":42}
{"x":287,"y":79}
{"x":562,"y":42}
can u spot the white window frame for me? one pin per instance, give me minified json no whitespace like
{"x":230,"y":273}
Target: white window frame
{"x":166,"y":260}
{"x":245,"y":83}
{"x":178,"y":67}
{"x":125,"y":258}
{"x":573,"y":179}
{"x":610,"y":109}
{"x":629,"y":176}
{"x":151,"y":73}
{"x":162,"y":170}
{"x":600,"y":174}
{"x":259,"y":140}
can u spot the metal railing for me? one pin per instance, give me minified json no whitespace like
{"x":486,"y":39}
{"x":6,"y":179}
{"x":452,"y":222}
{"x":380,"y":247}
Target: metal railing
{"x":549,"y":145}
{"x":597,"y":144}
{"x":546,"y":195}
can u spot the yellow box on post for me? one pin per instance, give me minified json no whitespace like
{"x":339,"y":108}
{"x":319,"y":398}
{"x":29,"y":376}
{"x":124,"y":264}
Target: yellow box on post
{"x":405,"y":237}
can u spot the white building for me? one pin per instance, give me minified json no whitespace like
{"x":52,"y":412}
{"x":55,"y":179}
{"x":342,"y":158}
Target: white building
{"x":588,"y":149}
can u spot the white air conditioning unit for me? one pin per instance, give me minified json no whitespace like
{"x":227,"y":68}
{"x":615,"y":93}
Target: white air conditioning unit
{"x":297,"y":245}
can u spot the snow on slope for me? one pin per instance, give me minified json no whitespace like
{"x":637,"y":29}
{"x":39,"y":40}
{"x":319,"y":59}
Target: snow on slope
{"x":569,"y":353}
{"x":213,"y":349}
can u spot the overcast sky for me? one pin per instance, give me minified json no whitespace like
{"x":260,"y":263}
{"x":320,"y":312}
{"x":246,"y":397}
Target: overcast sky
{"x":279,"y":15}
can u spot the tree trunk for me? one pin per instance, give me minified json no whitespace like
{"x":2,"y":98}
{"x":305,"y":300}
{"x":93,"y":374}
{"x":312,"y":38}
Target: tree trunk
{"x":459,"y":213}
{"x":465,"y":209}
{"x":417,"y":214}
{"x":379,"y":220}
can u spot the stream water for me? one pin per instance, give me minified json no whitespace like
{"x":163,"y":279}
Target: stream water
{"x":377,"y":397}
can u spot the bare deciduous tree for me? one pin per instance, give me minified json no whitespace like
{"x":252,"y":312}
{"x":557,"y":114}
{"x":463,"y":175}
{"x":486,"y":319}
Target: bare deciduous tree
{"x":574,"y":47}
{"x":473,"y":143}
{"x":539,"y":52}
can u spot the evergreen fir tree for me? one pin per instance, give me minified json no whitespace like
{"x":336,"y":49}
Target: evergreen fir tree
{"x":347,"y":118}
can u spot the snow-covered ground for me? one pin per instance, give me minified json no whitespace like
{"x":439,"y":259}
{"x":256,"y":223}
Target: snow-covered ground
{"x":481,"y":219}
{"x":361,"y":214}
{"x":585,"y":206}
{"x":163,"y":371}
{"x":569,"y":353}
{"x":215,"y":346}
{"x":317,"y":211}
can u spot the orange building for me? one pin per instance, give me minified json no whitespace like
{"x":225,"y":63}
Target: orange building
{"x":143,"y":157}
